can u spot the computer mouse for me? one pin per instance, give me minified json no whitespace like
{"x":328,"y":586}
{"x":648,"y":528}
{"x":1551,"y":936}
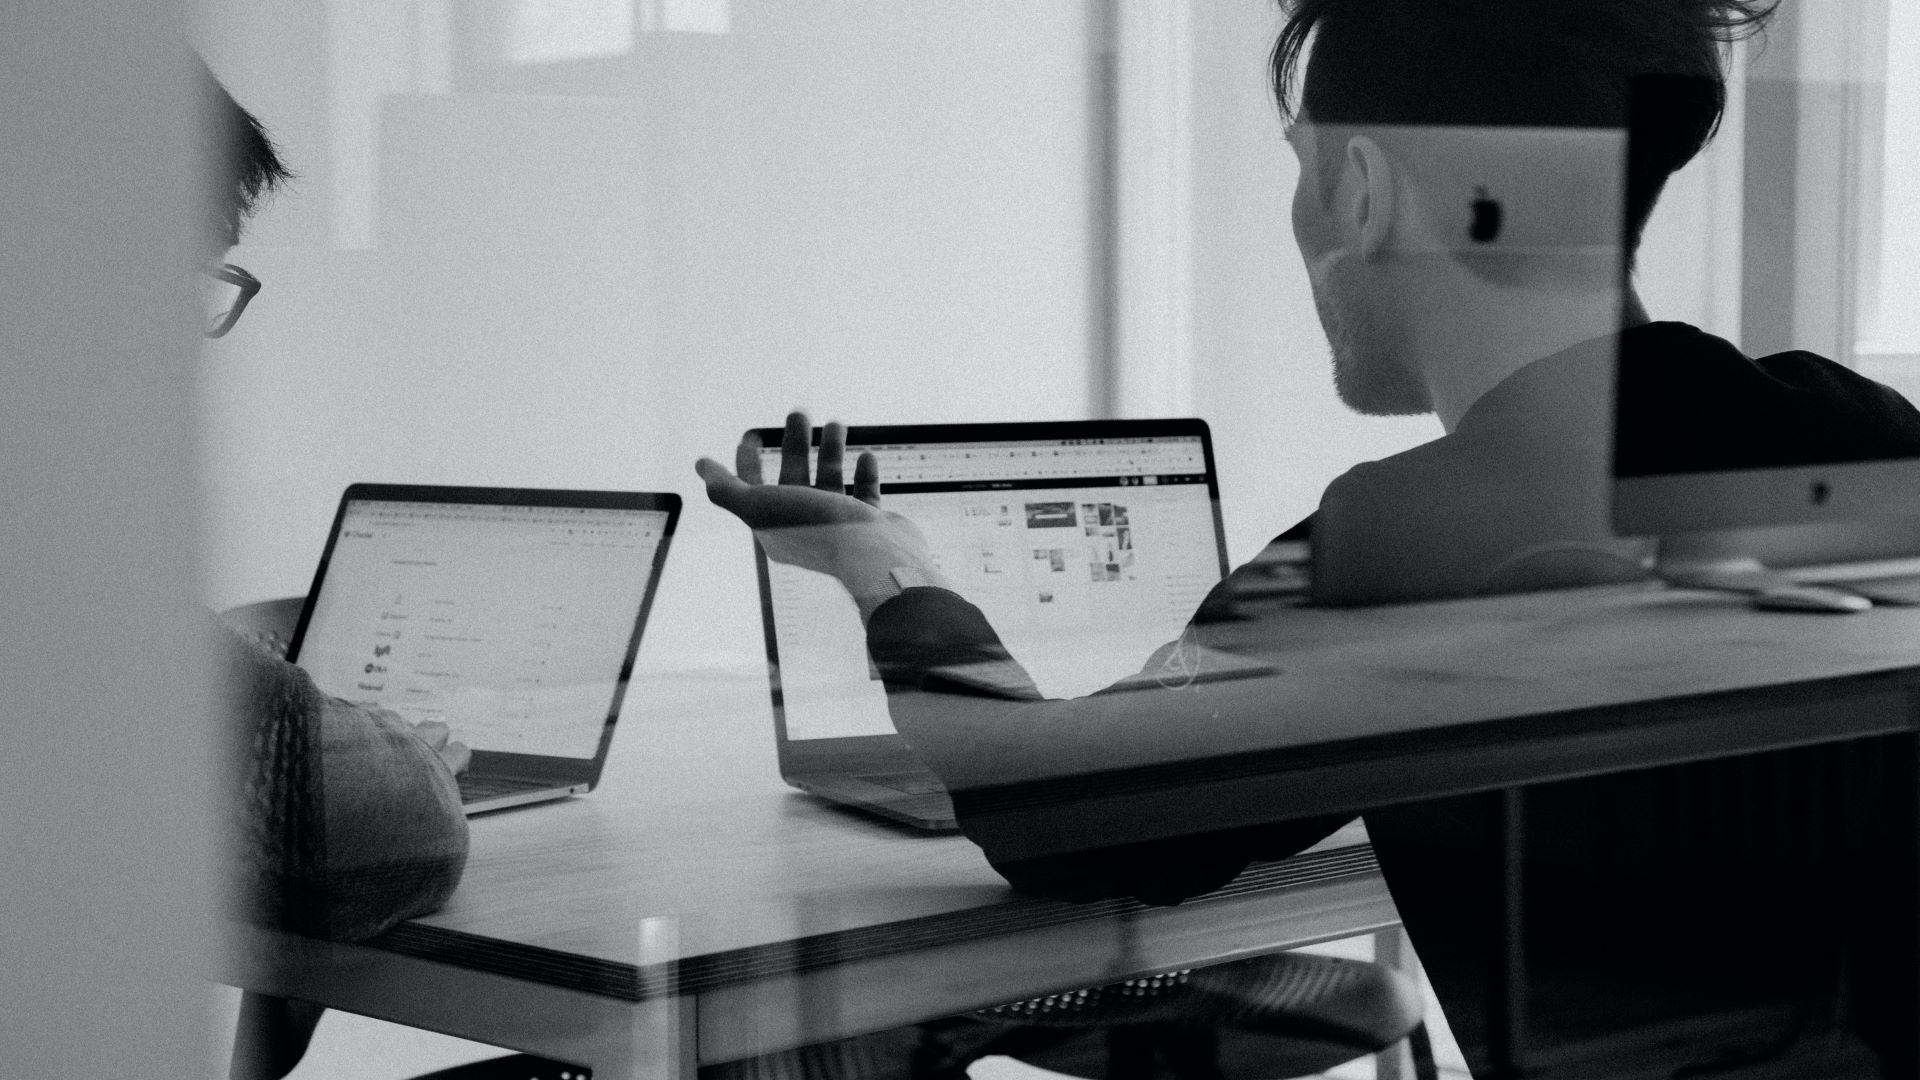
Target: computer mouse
{"x":1810,"y":598}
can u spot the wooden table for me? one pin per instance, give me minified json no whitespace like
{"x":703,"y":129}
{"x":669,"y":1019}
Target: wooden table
{"x":695,"y":910}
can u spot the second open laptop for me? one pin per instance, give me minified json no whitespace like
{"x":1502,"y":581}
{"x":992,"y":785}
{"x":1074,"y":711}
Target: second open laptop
{"x":511,"y":615}
{"x":1087,"y":544}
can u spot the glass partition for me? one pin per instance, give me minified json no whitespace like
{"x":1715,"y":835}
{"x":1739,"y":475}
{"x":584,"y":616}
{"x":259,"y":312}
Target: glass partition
{"x":1015,"y":247}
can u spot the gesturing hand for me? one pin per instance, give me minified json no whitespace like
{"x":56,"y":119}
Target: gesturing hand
{"x":813,"y":523}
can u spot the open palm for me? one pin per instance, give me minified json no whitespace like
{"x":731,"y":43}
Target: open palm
{"x":808,"y":519}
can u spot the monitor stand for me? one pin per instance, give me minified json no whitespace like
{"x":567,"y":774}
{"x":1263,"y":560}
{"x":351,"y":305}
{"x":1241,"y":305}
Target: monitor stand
{"x":1749,"y":561}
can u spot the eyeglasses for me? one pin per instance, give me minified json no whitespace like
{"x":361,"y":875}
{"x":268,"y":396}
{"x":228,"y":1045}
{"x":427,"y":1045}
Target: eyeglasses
{"x":227,"y":291}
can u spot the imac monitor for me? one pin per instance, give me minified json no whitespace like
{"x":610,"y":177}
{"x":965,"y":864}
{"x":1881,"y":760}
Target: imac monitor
{"x":1788,"y":460}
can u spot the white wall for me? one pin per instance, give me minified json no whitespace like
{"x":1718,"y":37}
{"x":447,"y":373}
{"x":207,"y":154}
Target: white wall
{"x":589,"y":272}
{"x":586,"y":272}
{"x":1890,"y":326}
{"x":104,"y":714}
{"x":1689,"y":262}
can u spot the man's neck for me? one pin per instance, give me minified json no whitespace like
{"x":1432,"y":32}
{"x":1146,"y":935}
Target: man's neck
{"x":1466,"y":356}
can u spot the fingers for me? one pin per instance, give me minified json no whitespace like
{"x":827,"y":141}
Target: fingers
{"x":833,"y":450}
{"x":723,"y":488}
{"x":746,"y":458}
{"x":433,"y":733}
{"x":795,"y":442}
{"x":866,"y":479}
{"x":457,"y":757}
{"x":734,"y":490}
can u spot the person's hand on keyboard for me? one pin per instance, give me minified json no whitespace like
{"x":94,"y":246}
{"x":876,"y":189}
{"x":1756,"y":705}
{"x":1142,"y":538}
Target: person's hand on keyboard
{"x":439,"y":737}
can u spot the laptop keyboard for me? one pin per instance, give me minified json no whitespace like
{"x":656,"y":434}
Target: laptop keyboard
{"x":476,"y":788}
{"x":908,"y":783}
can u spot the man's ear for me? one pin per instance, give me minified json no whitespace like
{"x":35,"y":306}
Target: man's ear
{"x":1373,"y":203}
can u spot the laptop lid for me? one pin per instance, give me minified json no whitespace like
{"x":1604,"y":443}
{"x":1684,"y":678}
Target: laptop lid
{"x":512,"y":615}
{"x":1087,"y":544}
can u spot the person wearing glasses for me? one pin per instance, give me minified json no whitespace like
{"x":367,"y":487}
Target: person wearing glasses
{"x":228,"y":290}
{"x":342,"y":821}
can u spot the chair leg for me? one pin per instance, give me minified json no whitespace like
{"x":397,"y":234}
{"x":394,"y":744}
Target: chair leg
{"x":1192,"y":1051}
{"x":1392,"y":949}
{"x":1421,"y":1044}
{"x":1131,"y":1053}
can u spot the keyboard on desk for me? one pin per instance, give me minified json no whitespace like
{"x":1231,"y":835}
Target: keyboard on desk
{"x":914,"y":797}
{"x":1892,"y":591}
{"x":906,"y":783}
{"x":475,"y":788}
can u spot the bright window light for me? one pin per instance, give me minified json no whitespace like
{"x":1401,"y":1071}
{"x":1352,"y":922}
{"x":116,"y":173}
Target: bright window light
{"x":1893,"y":329}
{"x":544,"y":31}
{"x":696,"y":16}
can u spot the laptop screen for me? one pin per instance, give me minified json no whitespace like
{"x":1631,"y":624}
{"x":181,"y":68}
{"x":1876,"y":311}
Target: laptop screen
{"x":1086,"y":554}
{"x":512,"y":624}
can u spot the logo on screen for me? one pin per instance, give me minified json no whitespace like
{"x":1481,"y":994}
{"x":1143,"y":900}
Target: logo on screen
{"x":1486,"y":217}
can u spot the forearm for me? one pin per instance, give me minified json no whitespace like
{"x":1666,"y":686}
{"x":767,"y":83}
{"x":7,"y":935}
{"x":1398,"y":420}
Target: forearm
{"x":324,"y":858}
{"x":968,"y":708}
{"x":342,"y":822}
{"x":396,"y":834}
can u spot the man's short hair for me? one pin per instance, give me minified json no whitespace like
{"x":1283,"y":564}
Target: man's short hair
{"x":243,"y":162}
{"x":1527,"y":63}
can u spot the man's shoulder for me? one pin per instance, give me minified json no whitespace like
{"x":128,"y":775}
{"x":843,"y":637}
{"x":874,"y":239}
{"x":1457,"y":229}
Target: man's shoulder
{"x":1515,"y":496}
{"x":1692,"y":402}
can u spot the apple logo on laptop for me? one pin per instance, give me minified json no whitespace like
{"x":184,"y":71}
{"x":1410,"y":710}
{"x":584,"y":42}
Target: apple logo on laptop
{"x":1486,"y":217}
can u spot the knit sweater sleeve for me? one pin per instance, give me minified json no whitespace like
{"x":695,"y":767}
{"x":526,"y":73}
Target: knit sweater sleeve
{"x":341,"y":821}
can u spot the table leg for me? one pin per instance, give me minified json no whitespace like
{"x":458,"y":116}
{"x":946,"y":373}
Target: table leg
{"x":1886,"y":996}
{"x":1392,"y":949}
{"x":1507,"y":1007}
{"x":1904,"y":1013}
{"x":662,"y":1044}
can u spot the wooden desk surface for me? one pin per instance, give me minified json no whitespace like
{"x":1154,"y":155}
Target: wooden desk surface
{"x":1393,"y":704}
{"x":695,"y":869}
{"x":695,"y":826}
{"x":695,"y":853}
{"x":1349,"y":675}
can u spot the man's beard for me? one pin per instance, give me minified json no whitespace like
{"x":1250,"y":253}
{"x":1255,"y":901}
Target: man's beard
{"x":1371,"y":373}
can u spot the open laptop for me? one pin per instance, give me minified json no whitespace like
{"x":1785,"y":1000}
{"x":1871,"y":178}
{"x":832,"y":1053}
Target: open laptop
{"x":511,"y":615}
{"x":1086,"y":544}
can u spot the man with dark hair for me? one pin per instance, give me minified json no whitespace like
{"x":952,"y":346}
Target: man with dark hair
{"x":342,"y":821}
{"x":242,"y":156}
{"x":1516,"y":354}
{"x":1638,"y":922}
{"x":1557,"y":63}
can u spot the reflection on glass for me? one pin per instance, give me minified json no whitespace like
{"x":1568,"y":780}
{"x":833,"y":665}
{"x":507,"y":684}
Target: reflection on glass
{"x":622,"y":243}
